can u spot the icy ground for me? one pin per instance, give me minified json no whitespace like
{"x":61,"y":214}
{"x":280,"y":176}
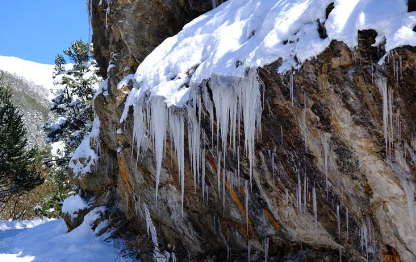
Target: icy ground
{"x":48,"y":240}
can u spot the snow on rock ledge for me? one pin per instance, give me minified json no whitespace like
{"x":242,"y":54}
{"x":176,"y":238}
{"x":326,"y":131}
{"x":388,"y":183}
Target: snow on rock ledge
{"x":85,"y":156}
{"x":74,"y":210}
{"x":73,"y":204}
{"x":242,"y":34}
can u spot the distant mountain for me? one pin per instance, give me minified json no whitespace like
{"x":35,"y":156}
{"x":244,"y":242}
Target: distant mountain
{"x":31,"y":85}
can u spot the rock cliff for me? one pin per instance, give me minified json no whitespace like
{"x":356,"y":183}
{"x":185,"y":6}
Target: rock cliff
{"x":336,"y":139}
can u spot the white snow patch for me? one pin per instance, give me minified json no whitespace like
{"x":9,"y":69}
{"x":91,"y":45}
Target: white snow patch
{"x":51,"y":241}
{"x":125,"y":81}
{"x":85,"y":152}
{"x":102,"y":89}
{"x":73,"y":204}
{"x":21,"y":224}
{"x":58,"y":122}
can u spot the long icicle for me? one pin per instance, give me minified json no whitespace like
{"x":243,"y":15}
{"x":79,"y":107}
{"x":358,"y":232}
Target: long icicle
{"x":315,"y":211}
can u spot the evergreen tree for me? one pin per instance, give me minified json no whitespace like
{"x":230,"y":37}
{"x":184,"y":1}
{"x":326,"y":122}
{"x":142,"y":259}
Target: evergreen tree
{"x":73,"y":102}
{"x":17,"y":173}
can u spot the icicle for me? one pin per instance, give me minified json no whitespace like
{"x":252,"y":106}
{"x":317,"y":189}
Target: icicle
{"x":223,"y":191}
{"x":324,"y":139}
{"x":219,"y":175}
{"x":291,"y":87}
{"x":391,"y":116}
{"x":210,"y":108}
{"x":369,"y":228}
{"x":287,"y":203}
{"x":151,"y":230}
{"x":207,"y":187}
{"x":176,"y":130}
{"x":399,"y":129}
{"x":340,"y":253}
{"x":346,"y":217}
{"x":304,"y":127}
{"x":304,"y":193}
{"x":203,"y":172}
{"x":246,"y":200}
{"x":409,"y":189}
{"x":281,"y":134}
{"x":364,"y":237}
{"x":229,"y":98}
{"x":339,"y":223}
{"x":401,"y":66}
{"x":194,"y":135}
{"x":214,"y":4}
{"x":158,"y":132}
{"x":372,"y":72}
{"x":266,"y":249}
{"x":299,"y":191}
{"x":273,"y":166}
{"x":382,"y":85}
{"x":238,"y":162}
{"x":248,"y":251}
{"x":315,"y":211}
{"x":397,"y":74}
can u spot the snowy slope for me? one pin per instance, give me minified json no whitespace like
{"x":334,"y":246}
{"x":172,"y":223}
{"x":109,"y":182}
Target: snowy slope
{"x":38,"y":74}
{"x":48,"y":240}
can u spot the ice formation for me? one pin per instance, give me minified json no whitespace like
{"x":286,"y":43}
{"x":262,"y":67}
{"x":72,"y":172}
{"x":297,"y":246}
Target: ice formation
{"x":324,"y":140}
{"x":266,"y":249}
{"x":305,"y":130}
{"x":364,"y":237}
{"x":256,"y":35}
{"x":315,"y":211}
{"x":382,"y":85}
{"x":305,"y":182}
{"x":339,"y":223}
{"x":219,"y":53}
{"x":214,"y":3}
{"x":151,"y":230}
{"x":299,"y":194}
{"x":246,"y":201}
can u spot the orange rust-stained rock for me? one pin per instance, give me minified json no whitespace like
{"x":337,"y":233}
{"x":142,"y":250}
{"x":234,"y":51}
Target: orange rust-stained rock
{"x":233,"y":195}
{"x":125,"y":176}
{"x":272,"y":220}
{"x":391,"y":255}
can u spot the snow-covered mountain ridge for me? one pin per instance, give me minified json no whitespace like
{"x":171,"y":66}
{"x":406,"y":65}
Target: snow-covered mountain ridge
{"x":35,"y":73}
{"x":31,"y":85}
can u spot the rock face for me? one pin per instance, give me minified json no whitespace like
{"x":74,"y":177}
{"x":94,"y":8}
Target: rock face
{"x":361,"y":188}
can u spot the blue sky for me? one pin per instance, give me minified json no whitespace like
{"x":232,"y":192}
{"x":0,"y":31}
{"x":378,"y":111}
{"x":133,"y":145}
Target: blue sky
{"x":37,"y":30}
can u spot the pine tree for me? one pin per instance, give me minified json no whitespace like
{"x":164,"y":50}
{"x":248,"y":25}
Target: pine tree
{"x":73,"y":102}
{"x":17,"y":173}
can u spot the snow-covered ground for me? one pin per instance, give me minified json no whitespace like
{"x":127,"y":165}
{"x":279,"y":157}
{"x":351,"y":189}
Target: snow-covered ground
{"x":48,"y":240}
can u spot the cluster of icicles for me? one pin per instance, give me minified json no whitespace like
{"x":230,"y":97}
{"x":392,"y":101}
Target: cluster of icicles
{"x":236,"y":102}
{"x":392,"y":132}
